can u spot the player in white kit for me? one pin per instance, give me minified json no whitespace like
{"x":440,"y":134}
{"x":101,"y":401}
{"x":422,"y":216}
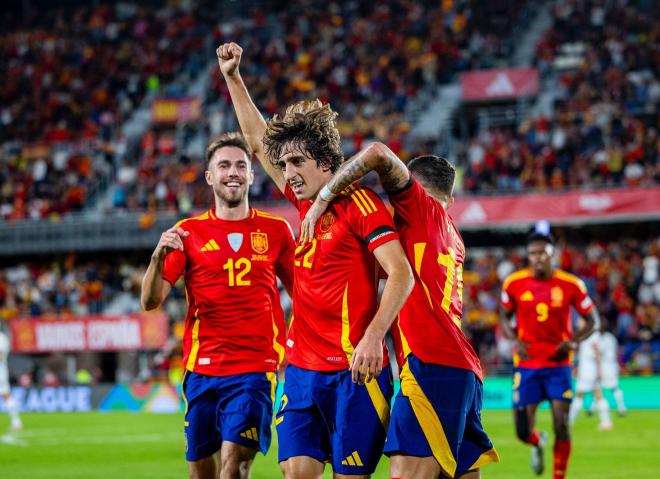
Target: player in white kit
{"x":609,"y":368}
{"x":10,"y":403}
{"x":598,"y":369}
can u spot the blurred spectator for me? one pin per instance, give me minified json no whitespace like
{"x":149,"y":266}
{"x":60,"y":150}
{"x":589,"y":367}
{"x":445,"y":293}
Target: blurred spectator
{"x":71,"y":76}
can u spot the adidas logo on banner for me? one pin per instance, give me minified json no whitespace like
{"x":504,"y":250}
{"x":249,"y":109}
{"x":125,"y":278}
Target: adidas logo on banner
{"x":500,"y":86}
{"x":353,"y":460}
{"x":210,"y":246}
{"x":251,"y":434}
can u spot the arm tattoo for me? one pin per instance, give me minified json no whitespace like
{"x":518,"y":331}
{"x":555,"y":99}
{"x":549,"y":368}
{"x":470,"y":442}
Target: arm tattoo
{"x":393,"y":178}
{"x":392,"y":173}
{"x":348,"y":173}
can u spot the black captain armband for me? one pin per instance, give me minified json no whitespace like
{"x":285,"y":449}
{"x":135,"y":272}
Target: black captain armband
{"x":378,"y":233}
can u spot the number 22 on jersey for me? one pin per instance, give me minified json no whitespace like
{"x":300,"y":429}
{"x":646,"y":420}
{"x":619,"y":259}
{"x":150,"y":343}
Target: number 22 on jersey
{"x":308,"y":257}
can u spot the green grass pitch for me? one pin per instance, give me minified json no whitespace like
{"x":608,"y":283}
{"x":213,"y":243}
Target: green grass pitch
{"x":134,"y":446}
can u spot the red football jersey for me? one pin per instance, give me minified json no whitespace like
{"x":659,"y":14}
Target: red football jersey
{"x":336,"y":280}
{"x":542,"y":309}
{"x":429,"y":324}
{"x":235,"y":322}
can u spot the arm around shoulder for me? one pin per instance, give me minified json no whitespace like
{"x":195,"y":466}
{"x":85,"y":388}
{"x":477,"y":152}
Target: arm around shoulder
{"x":377,"y":157}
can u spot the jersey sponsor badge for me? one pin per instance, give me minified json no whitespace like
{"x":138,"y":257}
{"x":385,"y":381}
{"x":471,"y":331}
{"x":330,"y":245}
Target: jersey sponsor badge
{"x":259,"y":242}
{"x":527,"y":296}
{"x":235,"y":241}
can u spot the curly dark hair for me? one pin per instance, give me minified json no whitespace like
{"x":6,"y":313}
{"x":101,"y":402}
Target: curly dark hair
{"x":227,"y":139}
{"x":310,"y":126}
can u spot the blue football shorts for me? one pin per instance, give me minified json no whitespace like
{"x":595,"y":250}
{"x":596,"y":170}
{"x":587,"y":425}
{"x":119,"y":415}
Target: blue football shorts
{"x":324,"y":415}
{"x":534,"y":385}
{"x":437,"y":412}
{"x":237,"y":408}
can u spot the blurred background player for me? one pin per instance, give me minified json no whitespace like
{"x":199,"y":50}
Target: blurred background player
{"x":541,"y":297}
{"x":10,"y":403}
{"x":434,"y":355}
{"x":234,"y":331}
{"x":609,"y":368}
{"x":598,"y":369}
{"x":338,"y":386}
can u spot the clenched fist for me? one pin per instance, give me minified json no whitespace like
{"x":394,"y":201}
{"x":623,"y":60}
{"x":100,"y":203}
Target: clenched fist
{"x":229,"y":57}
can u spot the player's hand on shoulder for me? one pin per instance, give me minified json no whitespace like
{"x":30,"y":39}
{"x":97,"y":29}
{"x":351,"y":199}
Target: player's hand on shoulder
{"x":169,"y":241}
{"x":367,"y":359}
{"x":229,"y":57}
{"x":309,"y":223}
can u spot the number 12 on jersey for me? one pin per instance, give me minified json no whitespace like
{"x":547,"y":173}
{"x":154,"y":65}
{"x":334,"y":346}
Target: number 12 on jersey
{"x":237,"y":271}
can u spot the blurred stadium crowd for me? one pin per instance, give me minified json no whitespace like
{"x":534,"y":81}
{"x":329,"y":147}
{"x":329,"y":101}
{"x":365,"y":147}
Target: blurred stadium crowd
{"x":75,"y":76}
{"x":604,"y":127}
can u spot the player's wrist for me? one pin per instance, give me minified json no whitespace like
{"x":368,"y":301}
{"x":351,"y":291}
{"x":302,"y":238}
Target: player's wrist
{"x":158,"y":257}
{"x":326,"y":194}
{"x":374,"y":333}
{"x":232,"y":75}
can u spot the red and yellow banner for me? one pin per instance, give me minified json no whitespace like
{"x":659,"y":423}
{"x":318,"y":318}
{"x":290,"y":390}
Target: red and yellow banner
{"x":173,"y":110}
{"x":89,"y":333}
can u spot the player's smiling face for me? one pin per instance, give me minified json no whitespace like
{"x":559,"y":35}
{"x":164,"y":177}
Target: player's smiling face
{"x":230,"y":174}
{"x":302,"y":173}
{"x":539,"y":254}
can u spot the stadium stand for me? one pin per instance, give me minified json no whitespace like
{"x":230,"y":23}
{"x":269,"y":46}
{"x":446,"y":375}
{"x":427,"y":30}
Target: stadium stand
{"x":603,"y":130}
{"x":74,"y":75}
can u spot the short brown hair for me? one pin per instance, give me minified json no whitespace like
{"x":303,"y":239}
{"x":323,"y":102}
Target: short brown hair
{"x":311,"y":124}
{"x":227,"y":139}
{"x":434,"y":172}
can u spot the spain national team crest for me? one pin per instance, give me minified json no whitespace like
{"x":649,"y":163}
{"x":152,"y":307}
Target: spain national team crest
{"x":235,"y":241}
{"x":259,"y":242}
{"x":556,"y":296}
{"x":327,"y":220}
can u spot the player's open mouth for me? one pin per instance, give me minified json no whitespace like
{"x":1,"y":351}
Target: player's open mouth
{"x":232,"y":185}
{"x":296,"y":186}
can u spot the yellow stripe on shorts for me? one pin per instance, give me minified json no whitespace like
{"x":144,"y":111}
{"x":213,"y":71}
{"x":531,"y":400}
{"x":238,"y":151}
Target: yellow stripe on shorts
{"x":429,"y":421}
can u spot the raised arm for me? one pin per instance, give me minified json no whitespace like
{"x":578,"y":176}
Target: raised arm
{"x":253,"y":125}
{"x":377,"y":157}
